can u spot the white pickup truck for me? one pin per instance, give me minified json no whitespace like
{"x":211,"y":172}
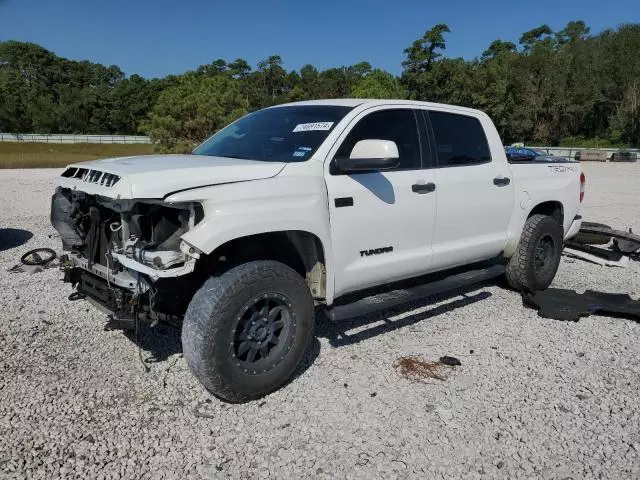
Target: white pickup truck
{"x":318,"y":203}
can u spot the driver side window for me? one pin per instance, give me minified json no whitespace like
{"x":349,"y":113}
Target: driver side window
{"x":398,"y":126}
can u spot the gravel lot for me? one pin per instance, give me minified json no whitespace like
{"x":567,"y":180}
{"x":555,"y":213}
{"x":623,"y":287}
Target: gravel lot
{"x":533,"y":397}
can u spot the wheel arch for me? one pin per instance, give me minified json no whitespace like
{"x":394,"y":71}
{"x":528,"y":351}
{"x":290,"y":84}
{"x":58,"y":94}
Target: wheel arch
{"x":551,"y":208}
{"x":301,"y":250}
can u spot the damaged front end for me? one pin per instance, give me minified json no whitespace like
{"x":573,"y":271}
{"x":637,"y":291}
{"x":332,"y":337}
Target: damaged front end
{"x":126,"y":256}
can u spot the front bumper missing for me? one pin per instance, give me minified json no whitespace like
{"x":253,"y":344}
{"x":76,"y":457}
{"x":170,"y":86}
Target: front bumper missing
{"x":129,"y":280}
{"x":120,"y":303}
{"x":124,"y":295}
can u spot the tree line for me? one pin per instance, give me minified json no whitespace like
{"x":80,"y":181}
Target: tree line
{"x":564,"y":87}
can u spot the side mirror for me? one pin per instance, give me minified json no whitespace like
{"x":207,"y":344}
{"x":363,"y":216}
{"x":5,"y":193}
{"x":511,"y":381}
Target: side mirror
{"x":370,"y":155}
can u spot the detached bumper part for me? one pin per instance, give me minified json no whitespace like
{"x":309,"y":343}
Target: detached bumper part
{"x":563,"y":304}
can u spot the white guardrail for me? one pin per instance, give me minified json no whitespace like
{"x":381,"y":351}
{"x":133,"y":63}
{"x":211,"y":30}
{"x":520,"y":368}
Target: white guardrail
{"x":39,"y":138}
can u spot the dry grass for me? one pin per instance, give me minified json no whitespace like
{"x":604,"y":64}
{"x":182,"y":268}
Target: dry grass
{"x":49,"y":155}
{"x":416,"y":369}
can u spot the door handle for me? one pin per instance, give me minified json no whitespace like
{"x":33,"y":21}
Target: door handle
{"x":423,"y":187}
{"x":501,"y":181}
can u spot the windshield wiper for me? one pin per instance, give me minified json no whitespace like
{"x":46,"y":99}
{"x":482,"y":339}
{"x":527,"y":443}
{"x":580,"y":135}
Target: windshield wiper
{"x":239,"y":157}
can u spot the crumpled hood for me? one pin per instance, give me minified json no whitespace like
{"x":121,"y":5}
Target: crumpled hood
{"x":156,"y":176}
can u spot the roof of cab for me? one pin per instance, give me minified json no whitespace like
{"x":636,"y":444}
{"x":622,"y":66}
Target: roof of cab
{"x":354,"y":102}
{"x":342,"y":102}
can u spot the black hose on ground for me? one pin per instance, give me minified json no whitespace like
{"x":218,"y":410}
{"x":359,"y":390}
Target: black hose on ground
{"x":34,"y":257}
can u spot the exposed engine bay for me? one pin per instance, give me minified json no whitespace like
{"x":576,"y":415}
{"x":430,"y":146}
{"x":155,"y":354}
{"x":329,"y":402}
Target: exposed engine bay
{"x":120,"y":253}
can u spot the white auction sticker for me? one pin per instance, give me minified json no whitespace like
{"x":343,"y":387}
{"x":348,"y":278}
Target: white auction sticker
{"x":308,"y":127}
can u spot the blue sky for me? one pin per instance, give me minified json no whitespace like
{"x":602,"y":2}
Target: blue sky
{"x":159,"y":37}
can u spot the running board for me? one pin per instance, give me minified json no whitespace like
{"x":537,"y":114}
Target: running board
{"x":392,"y":298}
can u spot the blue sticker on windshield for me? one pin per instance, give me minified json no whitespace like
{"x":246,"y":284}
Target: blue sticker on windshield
{"x":306,"y":149}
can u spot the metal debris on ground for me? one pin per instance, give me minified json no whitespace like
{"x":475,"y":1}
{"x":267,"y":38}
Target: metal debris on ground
{"x":562,"y":304}
{"x":616,"y":234}
{"x":38,"y":256}
{"x":450,"y":361}
{"x":586,"y":237}
{"x":629,"y":246}
{"x":35,"y":261}
{"x":599,"y":256}
{"x":604,"y":253}
{"x":416,"y":369}
{"x":31,"y":269}
{"x":625,"y":245}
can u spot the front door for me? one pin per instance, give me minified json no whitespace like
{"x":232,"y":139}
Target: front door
{"x":381,"y":222}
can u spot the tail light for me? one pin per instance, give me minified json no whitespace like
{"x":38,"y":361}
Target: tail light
{"x":583,"y":180}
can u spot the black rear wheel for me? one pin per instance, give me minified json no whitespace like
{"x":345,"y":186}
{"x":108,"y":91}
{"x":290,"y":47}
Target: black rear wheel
{"x":544,"y":255}
{"x":246,"y":332}
{"x":537,"y":257}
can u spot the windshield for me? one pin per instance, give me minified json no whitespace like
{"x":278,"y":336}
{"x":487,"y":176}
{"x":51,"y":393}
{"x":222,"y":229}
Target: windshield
{"x":280,"y":134}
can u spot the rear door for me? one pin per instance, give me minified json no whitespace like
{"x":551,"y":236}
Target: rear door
{"x":475,"y":190}
{"x":381,"y":222}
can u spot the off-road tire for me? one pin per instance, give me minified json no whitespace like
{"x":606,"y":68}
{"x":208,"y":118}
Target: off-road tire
{"x":213,"y":314}
{"x":521,"y":271}
{"x":592,"y":238}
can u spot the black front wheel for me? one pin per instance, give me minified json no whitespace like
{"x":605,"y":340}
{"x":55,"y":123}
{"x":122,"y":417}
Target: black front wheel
{"x":246,"y":331}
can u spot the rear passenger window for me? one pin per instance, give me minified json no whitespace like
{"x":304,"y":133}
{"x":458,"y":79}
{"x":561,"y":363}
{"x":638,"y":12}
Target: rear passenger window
{"x":460,"y":140}
{"x":399,"y":126}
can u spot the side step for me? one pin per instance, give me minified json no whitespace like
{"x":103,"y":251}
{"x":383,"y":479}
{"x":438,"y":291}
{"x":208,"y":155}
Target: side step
{"x":443,"y":283}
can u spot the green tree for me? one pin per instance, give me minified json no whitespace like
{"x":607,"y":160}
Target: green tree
{"x":541,"y":34}
{"x":186,"y":114}
{"x":239,"y":68}
{"x":359,"y":71}
{"x":308,"y":85}
{"x":273,"y":76}
{"x":13,"y":107}
{"x":420,"y":59}
{"x":333,"y":83}
{"x":574,"y":32}
{"x":558,"y":87}
{"x":378,"y":84}
{"x":131,"y":101}
{"x":424,"y":51}
{"x":217,"y":67}
{"x":498,"y":48}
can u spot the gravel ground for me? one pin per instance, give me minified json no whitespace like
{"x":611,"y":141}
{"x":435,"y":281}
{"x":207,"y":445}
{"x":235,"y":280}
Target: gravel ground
{"x":533,"y":397}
